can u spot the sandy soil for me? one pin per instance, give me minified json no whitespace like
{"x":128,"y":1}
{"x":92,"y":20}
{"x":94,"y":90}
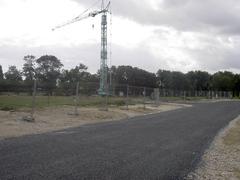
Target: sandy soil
{"x":222,"y":160}
{"x":56,"y":118}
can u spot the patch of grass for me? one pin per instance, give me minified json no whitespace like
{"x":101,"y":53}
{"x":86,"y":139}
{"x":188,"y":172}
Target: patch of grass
{"x":237,"y":173}
{"x":13,"y":102}
{"x":7,"y":108}
{"x":16,"y":102}
{"x":117,"y":102}
{"x":172,"y":98}
{"x":233,"y":137}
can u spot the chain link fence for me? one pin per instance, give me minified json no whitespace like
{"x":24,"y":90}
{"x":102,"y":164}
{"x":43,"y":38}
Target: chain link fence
{"x":83,"y":94}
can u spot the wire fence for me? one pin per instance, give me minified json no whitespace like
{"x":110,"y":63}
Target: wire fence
{"x":80,"y":94}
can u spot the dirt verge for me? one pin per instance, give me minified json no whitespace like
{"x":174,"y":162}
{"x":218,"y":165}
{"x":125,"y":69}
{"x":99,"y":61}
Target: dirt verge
{"x":56,"y":118}
{"x":222,"y":160}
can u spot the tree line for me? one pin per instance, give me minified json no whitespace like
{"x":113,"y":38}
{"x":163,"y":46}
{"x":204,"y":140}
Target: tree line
{"x":49,"y":72}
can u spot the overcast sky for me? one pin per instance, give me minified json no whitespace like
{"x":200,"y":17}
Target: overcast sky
{"x":179,"y":35}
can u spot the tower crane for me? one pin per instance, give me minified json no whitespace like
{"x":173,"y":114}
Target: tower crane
{"x":103,"y":89}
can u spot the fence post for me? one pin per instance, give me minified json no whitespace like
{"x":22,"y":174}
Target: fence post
{"x":48,"y":98}
{"x":76,"y":100}
{"x":127,"y":102}
{"x":144,"y":93}
{"x":106,"y":98}
{"x":104,"y":101}
{"x":156,"y":96}
{"x":34,"y":99}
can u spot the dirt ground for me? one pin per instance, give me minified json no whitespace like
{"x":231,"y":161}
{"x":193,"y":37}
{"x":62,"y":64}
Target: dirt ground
{"x":56,"y":118}
{"x":222,"y":160}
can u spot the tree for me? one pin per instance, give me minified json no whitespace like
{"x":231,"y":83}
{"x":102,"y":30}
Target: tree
{"x":28,"y":67}
{"x":79,"y":73}
{"x":179,"y":81}
{"x":13,"y":74}
{"x":199,"y":80}
{"x":1,"y":73}
{"x":134,"y":76}
{"x":13,"y":80}
{"x":164,"y":79}
{"x":223,"y":81}
{"x":48,"y":71}
{"x":69,"y":79}
{"x":236,"y":85}
{"x":172,"y":80}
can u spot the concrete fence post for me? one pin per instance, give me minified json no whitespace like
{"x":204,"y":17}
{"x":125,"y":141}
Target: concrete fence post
{"x":156,"y":96}
{"x":127,"y":98}
{"x":144,"y":98}
{"x":76,"y":100}
{"x":34,"y":99}
{"x":104,"y":100}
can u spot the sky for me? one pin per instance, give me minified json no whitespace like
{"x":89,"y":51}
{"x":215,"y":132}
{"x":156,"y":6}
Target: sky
{"x":150,"y":34}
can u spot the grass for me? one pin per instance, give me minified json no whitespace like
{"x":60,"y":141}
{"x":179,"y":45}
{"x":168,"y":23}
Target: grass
{"x":172,"y":98}
{"x":237,"y":173}
{"x":233,"y":137}
{"x":14,"y":102}
{"x":232,"y":140}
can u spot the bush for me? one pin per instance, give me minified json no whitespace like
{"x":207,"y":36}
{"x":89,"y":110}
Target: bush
{"x":7,"y":108}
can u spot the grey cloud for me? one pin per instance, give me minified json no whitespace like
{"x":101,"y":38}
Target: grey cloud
{"x":87,"y":54}
{"x":216,"y":16}
{"x":215,"y":59}
{"x":212,"y":58}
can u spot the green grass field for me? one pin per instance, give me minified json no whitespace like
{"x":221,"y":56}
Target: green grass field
{"x":13,"y":102}
{"x":171,"y":98}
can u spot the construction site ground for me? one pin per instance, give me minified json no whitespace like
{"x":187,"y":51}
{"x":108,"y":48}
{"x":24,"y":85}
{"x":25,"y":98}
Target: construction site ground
{"x":221,"y":160}
{"x":62,"y":117}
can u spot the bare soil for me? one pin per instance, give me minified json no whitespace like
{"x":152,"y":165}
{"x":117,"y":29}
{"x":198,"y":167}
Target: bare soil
{"x":222,"y":160}
{"x":56,"y":118}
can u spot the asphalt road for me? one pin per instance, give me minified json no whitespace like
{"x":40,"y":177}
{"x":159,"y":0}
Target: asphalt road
{"x":161,"y":146}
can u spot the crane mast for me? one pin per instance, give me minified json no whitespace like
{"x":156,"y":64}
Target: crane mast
{"x":103,"y":65}
{"x":103,"y":86}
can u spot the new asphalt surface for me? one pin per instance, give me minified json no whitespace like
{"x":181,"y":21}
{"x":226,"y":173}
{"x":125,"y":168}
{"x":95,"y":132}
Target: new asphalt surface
{"x":161,"y":146}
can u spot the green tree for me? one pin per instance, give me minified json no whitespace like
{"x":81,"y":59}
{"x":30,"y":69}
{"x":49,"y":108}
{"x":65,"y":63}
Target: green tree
{"x":134,"y":76}
{"x":13,"y":74}
{"x":48,"y":71}
{"x":69,"y":79}
{"x":164,"y":79}
{"x":179,"y":81}
{"x":1,"y":73}
{"x":223,"y":81}
{"x":236,"y":85}
{"x":13,"y":80}
{"x":28,"y":67}
{"x":79,"y":73}
{"x":199,"y":80}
